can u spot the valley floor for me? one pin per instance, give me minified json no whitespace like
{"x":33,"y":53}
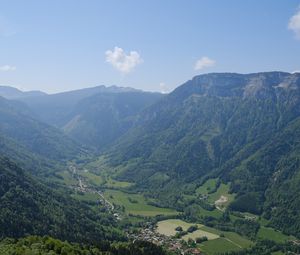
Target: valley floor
{"x":137,"y":209}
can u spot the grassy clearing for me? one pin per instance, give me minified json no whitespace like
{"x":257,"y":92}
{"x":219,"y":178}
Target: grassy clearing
{"x":232,"y":236}
{"x":103,"y":178}
{"x":271,"y":234}
{"x":135,"y":204}
{"x":215,"y":244}
{"x":215,"y":213}
{"x":167,"y":227}
{"x":222,"y":191}
{"x":200,"y":233}
{"x":207,"y":186}
{"x":219,"y":245}
{"x":92,"y":178}
{"x":111,"y":183}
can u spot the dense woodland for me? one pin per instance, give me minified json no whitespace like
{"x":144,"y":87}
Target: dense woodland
{"x":47,"y":245}
{"x":30,"y":207}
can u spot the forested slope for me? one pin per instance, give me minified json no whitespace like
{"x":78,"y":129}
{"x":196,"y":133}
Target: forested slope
{"x":29,"y":207}
{"x":240,"y":128}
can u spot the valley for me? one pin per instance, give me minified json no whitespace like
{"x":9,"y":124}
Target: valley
{"x":150,"y":127}
{"x":203,"y":169}
{"x":128,"y":206}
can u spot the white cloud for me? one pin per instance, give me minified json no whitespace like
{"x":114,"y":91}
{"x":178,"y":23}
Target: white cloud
{"x":294,"y":24}
{"x":7,"y":68}
{"x":204,"y":62}
{"x":123,"y":62}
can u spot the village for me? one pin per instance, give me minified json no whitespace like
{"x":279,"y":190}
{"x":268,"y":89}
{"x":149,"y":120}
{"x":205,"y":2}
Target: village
{"x":149,"y":234}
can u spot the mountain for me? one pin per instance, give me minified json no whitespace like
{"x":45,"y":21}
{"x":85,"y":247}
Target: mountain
{"x":100,"y":119}
{"x":240,"y":128}
{"x":94,"y":116}
{"x":31,"y":142}
{"x":28,"y":207}
{"x":55,"y":109}
{"x":13,"y":93}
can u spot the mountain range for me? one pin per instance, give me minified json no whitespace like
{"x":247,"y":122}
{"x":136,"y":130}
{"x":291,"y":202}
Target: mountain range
{"x":242,"y":129}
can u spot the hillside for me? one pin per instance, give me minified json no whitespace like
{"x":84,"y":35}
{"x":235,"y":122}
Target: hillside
{"x":29,"y":207}
{"x":47,"y":245}
{"x":101,"y":119}
{"x":13,"y":93}
{"x":218,"y":125}
{"x":31,"y":142}
{"x":56,"y":109}
{"x":96,"y":116}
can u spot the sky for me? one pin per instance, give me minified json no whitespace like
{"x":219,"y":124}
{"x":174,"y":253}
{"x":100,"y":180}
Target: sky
{"x":60,"y":45}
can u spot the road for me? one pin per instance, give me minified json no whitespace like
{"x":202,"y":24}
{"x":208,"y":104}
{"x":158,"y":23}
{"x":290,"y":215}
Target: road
{"x":83,"y":187}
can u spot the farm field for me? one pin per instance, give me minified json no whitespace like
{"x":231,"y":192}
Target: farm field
{"x":167,"y":227}
{"x":92,"y":178}
{"x":111,"y":183}
{"x":219,"y":245}
{"x":200,"y":233}
{"x":230,"y":242}
{"x":271,"y":234}
{"x":135,"y":204}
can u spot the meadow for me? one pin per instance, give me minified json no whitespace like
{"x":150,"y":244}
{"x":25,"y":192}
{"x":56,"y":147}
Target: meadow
{"x":229,"y":241}
{"x":271,"y":234}
{"x":135,"y":204}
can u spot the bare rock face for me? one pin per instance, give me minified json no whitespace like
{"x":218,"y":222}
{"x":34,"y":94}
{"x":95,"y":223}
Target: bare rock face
{"x":258,"y":85}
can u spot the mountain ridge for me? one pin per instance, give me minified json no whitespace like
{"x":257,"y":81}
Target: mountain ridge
{"x":207,"y":128}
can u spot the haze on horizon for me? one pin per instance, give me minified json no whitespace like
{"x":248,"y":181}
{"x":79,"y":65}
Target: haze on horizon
{"x":57,"y":45}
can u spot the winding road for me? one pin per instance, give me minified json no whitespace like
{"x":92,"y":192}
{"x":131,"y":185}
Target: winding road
{"x":84,"y":188}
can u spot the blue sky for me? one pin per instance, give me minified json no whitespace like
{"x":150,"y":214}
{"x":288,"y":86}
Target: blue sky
{"x":58,"y":45}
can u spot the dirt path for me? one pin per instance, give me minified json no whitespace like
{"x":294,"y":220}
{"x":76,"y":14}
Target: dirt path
{"x":221,"y":201}
{"x":233,"y":243}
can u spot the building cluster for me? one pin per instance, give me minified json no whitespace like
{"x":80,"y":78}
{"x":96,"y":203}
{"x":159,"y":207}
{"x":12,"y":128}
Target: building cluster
{"x":149,"y":234}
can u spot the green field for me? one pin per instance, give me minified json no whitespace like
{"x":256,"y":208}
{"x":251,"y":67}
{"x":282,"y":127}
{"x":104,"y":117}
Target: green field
{"x":135,"y":204}
{"x":219,"y":245}
{"x":215,"y":213}
{"x":92,"y":178}
{"x":271,"y":234}
{"x":111,"y":183}
{"x":209,"y":185}
{"x":232,"y":236}
{"x":230,"y":242}
{"x":222,"y":191}
{"x":200,"y":233}
{"x":167,"y":227}
{"x":99,"y":168}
